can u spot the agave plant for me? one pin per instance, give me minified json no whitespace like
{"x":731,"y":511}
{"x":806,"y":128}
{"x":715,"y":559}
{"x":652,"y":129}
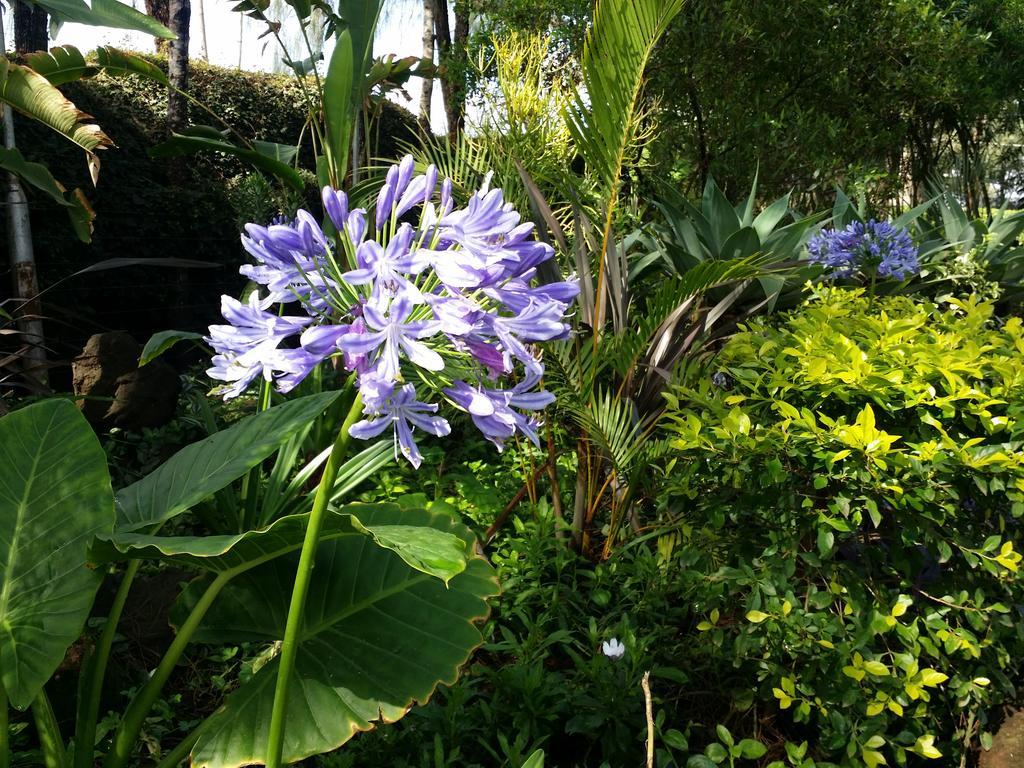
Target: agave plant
{"x":958,"y":244}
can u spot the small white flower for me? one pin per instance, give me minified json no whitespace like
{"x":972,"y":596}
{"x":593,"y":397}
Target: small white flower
{"x":613,"y":649}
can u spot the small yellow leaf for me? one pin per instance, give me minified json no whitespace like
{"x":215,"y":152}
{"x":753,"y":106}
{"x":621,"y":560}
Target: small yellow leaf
{"x":757,"y":616}
{"x":895,"y":707}
{"x":932,"y":677}
{"x":856,"y":674}
{"x":872,"y":758}
{"x":876,"y":668}
{"x":874,"y":708}
{"x":924,"y":746}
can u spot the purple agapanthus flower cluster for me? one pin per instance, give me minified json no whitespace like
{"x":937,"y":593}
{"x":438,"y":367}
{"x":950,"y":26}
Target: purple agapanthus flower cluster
{"x":417,"y":296}
{"x":873,"y":247}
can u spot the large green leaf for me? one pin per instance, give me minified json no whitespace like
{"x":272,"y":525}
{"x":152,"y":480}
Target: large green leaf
{"x":104,"y":13}
{"x":55,"y":497}
{"x":39,"y":176}
{"x":63,"y":64}
{"x":200,"y":138}
{"x":35,"y":174}
{"x":377,"y":636}
{"x":339,"y":105}
{"x":161,"y":341}
{"x":425,"y":549}
{"x":118,"y":63}
{"x":33,"y":95}
{"x":201,"y":469}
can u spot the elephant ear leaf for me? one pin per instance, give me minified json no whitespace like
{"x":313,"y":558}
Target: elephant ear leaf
{"x":378,"y":636}
{"x":55,"y":496}
{"x":199,"y":470}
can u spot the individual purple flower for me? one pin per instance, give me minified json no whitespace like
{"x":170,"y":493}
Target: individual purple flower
{"x":387,"y":268}
{"x":517,"y":295}
{"x":290,"y":366}
{"x":536,"y":322}
{"x":290,"y":262}
{"x":403,"y":411}
{"x":395,"y":184}
{"x":873,"y":247}
{"x":245,"y":347}
{"x":492,"y":409}
{"x":336,"y":205}
{"x":389,"y":335}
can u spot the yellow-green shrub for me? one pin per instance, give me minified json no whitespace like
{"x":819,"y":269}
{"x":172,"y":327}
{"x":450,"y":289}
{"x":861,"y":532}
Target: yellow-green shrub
{"x":847,"y":490}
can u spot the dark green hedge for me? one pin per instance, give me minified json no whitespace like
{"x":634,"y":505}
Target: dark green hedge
{"x":141,"y":212}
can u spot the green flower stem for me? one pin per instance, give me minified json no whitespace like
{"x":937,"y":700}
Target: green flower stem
{"x":5,"y":730}
{"x":290,"y":644}
{"x":50,"y":740}
{"x":251,"y":481}
{"x":89,"y":701}
{"x":135,"y":716}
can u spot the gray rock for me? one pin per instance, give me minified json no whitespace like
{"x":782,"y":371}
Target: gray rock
{"x":115,"y":392}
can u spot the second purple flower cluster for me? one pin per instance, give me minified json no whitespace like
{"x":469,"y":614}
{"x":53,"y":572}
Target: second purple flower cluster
{"x":873,"y":247}
{"x":422,"y":296}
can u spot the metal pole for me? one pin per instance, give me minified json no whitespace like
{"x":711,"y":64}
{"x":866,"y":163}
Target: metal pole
{"x":23,"y":263}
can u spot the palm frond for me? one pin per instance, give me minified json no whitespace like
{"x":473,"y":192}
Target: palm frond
{"x":610,"y":422}
{"x":604,"y":120}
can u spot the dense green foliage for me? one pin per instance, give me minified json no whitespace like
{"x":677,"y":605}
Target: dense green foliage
{"x":845,"y":501}
{"x":149,"y":207}
{"x":885,"y":96}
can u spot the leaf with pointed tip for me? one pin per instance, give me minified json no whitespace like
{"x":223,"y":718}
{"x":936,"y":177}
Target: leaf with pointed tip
{"x":161,"y":341}
{"x":200,"y":138}
{"x":39,"y":176}
{"x":33,"y":95}
{"x":769,"y":218}
{"x":377,"y":637}
{"x":63,"y":64}
{"x":54,"y":497}
{"x":199,"y":470}
{"x":425,"y":549}
{"x":104,"y":13}
{"x":119,"y":63}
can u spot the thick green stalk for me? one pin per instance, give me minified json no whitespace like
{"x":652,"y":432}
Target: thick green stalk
{"x":50,"y":740}
{"x":89,"y":700}
{"x":5,"y":730}
{"x":303,"y":575}
{"x":135,"y":716}
{"x":251,"y":481}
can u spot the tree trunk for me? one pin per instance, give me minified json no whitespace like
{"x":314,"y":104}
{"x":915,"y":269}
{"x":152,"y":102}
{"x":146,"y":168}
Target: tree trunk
{"x":177,"y":65}
{"x":31,"y":28}
{"x":161,"y":11}
{"x":460,"y":60}
{"x":444,"y":58}
{"x":204,"y":52}
{"x":427,"y":92}
{"x":177,"y":113}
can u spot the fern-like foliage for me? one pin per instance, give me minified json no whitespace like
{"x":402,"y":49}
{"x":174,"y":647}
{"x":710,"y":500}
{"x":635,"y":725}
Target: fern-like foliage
{"x":604,"y":120}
